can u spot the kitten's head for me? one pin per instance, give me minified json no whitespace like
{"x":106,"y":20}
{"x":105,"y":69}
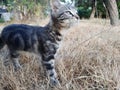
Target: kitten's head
{"x":63,"y":14}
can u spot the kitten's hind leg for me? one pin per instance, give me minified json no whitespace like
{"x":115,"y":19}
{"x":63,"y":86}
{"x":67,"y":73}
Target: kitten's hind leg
{"x":15,"y":60}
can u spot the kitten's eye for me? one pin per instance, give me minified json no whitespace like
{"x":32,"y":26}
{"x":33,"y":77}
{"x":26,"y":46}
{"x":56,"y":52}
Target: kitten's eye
{"x":62,"y":17}
{"x":68,"y":12}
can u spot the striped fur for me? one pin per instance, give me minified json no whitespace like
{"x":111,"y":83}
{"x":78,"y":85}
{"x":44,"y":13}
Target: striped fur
{"x":42,"y":40}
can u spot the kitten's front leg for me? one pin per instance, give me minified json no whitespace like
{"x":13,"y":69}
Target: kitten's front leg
{"x":49,"y":63}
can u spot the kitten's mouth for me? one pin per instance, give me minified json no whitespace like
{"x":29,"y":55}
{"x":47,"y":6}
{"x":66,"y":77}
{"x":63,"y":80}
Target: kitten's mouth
{"x":71,"y":20}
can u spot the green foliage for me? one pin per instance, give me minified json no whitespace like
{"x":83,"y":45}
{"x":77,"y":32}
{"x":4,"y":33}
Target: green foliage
{"x":101,"y":12}
{"x":2,"y":20}
{"x":85,"y":9}
{"x":118,"y":4}
{"x":27,"y":8}
{"x":84,"y":12}
{"x":10,"y":5}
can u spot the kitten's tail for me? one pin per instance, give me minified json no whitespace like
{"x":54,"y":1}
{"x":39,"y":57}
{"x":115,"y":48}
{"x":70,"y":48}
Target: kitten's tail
{"x":1,"y":43}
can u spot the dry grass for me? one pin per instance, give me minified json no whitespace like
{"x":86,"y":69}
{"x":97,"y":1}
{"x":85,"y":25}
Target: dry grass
{"x":88,"y":59}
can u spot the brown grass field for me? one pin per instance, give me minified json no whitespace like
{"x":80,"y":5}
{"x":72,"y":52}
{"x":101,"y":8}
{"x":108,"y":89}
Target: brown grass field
{"x":88,"y":59}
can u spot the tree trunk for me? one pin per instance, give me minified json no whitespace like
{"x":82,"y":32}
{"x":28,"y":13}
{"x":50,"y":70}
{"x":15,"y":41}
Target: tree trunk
{"x":93,"y":9}
{"x":111,"y":6}
{"x":107,"y":14}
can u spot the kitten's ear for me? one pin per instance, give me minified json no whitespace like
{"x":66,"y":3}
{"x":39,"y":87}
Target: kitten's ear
{"x":73,"y":3}
{"x":55,"y":4}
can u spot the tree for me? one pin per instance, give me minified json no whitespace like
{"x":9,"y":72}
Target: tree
{"x":94,"y":3}
{"x":111,"y":6}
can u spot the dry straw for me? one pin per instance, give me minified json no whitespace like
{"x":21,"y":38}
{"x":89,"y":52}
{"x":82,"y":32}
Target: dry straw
{"x":88,"y":59}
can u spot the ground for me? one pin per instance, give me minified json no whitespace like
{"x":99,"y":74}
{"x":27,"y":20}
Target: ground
{"x":88,"y":59}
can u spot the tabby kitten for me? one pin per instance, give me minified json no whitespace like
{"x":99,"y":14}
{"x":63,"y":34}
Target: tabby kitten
{"x":42,"y":40}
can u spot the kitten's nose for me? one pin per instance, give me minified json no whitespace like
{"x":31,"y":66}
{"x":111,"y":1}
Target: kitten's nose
{"x":76,"y":16}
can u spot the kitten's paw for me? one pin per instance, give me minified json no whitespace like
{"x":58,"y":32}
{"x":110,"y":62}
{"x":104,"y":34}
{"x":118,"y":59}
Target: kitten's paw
{"x":17,"y":68}
{"x":54,"y":82}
